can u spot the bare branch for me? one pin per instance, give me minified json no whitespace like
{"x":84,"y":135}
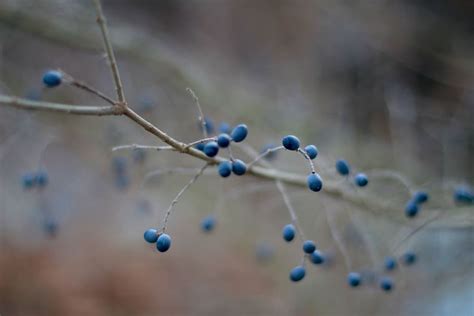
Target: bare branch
{"x":147,"y":147}
{"x":84,"y":86}
{"x":202,"y":120}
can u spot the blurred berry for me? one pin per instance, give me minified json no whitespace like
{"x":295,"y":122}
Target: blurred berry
{"x":239,"y":133}
{"x":163,"y":243}
{"x":151,"y":235}
{"x":411,"y":209}
{"x":297,"y":274}
{"x":409,"y":258}
{"x":354,"y":279}
{"x":289,"y":232}
{"x":420,"y":197}
{"x":386,"y":284}
{"x":28,"y":180}
{"x":224,"y":128}
{"x":41,"y":178}
{"x":208,"y":223}
{"x":309,"y":246}
{"x":317,"y":257}
{"x":343,"y":167}
{"x":361,"y":180}
{"x":390,"y":263}
{"x":52,"y":78}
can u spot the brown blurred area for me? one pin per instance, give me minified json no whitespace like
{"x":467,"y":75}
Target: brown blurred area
{"x":385,"y":84}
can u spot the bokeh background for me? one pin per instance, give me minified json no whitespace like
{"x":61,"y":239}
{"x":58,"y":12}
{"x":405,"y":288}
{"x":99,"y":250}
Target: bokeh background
{"x":388,"y":85}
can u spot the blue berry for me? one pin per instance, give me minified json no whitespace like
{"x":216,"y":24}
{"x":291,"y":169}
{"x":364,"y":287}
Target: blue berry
{"x":239,"y":133}
{"x":163,"y":243}
{"x":52,"y":78}
{"x":239,"y":167}
{"x":312,"y":151}
{"x":463,"y":195}
{"x":361,"y":180}
{"x":315,"y":183}
{"x":199,"y":146}
{"x":409,"y":258}
{"x":225,"y":169}
{"x":420,"y":197}
{"x":224,"y":128}
{"x":28,"y":180}
{"x":386,"y":284}
{"x":297,"y":274}
{"x":390,"y":263}
{"x":211,"y":149}
{"x":309,"y":246}
{"x":289,"y":232}
{"x":354,"y":279}
{"x":151,"y":235}
{"x":343,"y":167}
{"x":411,"y":209}
{"x":223,"y":140}
{"x":208,"y":223}
{"x":41,"y":178}
{"x":290,"y":142}
{"x":317,"y":257}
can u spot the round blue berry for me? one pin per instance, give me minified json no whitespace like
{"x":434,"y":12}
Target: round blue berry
{"x":290,"y":142}
{"x":354,"y":279}
{"x":411,"y":209}
{"x":311,"y":151}
{"x":317,"y":257}
{"x":151,"y":235}
{"x":386,"y":284}
{"x":289,"y":232}
{"x":239,"y":167}
{"x":211,"y":149}
{"x":297,"y":274}
{"x":463,"y":195}
{"x":309,"y":246}
{"x":163,"y":243}
{"x":239,"y":133}
{"x":343,"y":167}
{"x":390,"y":263}
{"x":52,"y":78}
{"x":420,"y":197}
{"x":361,"y":180}
{"x":315,"y":183}
{"x":208,"y":223}
{"x":28,"y":180}
{"x":223,"y":140}
{"x":199,"y":146}
{"x":224,"y":128}
{"x":409,"y":258}
{"x":225,"y":169}
{"x":41,"y":178}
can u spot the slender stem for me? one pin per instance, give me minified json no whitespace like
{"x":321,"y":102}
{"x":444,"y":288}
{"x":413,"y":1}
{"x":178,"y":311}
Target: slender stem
{"x":58,"y":107}
{"x":147,"y":147}
{"x":202,"y":120}
{"x":110,"y":52}
{"x":311,"y":164}
{"x":294,"y":219}
{"x":199,"y":141}
{"x":390,"y":174}
{"x":84,"y":86}
{"x":262,"y":155}
{"x":176,"y":199}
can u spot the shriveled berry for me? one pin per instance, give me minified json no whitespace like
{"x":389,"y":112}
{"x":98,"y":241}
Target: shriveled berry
{"x":311,"y":151}
{"x":315,"y":183}
{"x":239,"y":133}
{"x":290,"y":142}
{"x":239,"y":167}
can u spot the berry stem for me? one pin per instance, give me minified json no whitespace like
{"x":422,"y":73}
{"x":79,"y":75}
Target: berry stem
{"x":311,"y":164}
{"x":200,"y":141}
{"x":262,"y":155}
{"x":201,"y":114}
{"x":84,"y":86}
{"x":147,"y":147}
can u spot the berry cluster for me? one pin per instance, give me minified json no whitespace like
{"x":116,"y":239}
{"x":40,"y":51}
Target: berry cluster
{"x":414,"y":204}
{"x":38,"y":179}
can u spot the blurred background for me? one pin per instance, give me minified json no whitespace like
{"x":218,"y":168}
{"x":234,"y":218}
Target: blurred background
{"x":387,"y":85}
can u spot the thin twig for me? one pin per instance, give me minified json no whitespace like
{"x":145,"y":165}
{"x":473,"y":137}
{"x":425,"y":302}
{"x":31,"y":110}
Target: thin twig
{"x":86,"y":87}
{"x":263,"y":154}
{"x":176,"y":199}
{"x":200,"y":141}
{"x":146,"y":147}
{"x":202,"y":120}
{"x":294,"y":219}
{"x":311,"y":164}
{"x":110,"y":53}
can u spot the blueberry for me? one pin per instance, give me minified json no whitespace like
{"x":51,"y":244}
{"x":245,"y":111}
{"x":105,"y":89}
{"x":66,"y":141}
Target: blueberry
{"x":208,"y":223}
{"x":290,"y":142}
{"x":315,"y":183}
{"x":420,"y":197}
{"x":52,"y":78}
{"x":199,"y":146}
{"x":409,"y":258}
{"x":41,"y":178}
{"x":361,"y":180}
{"x":309,"y":246}
{"x":239,"y":167}
{"x":390,"y":263}
{"x":225,"y":169}
{"x":163,"y":243}
{"x":386,"y":284}
{"x":224,"y":128}
{"x":411,"y":209}
{"x":343,"y":167}
{"x":239,"y":133}
{"x":270,"y":155}
{"x":311,"y":151}
{"x":223,"y":140}
{"x":28,"y":180}
{"x":297,"y":274}
{"x":354,"y":279}
{"x":317,"y":257}
{"x":211,"y":149}
{"x":151,"y":235}
{"x":463,"y":195}
{"x":289,"y":232}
